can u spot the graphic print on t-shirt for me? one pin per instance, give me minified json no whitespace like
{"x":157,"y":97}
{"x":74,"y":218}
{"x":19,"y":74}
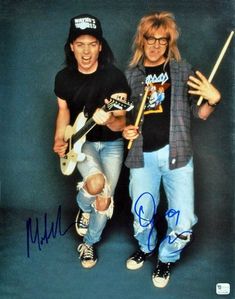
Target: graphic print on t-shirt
{"x":156,"y":95}
{"x":156,"y":124}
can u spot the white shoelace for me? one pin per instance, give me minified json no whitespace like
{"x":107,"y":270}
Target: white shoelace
{"x":84,"y":221}
{"x":86,"y":251}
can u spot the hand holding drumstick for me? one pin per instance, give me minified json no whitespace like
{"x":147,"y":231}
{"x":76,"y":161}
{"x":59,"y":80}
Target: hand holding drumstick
{"x":202,"y":87}
{"x":222,"y":53}
{"x":131,"y":132}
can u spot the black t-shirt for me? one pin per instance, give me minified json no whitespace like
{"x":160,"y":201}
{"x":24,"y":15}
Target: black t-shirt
{"x":157,"y":109}
{"x":86,"y":92}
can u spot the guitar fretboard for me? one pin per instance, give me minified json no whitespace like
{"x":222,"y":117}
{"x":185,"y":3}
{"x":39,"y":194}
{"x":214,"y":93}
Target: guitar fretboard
{"x":114,"y":104}
{"x":84,"y":130}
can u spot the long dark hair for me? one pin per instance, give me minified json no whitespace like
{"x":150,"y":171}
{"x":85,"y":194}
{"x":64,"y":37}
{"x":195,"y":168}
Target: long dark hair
{"x":106,"y":55}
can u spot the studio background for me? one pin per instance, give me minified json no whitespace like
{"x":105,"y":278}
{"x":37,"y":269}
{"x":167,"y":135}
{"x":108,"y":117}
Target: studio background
{"x":32,"y":37}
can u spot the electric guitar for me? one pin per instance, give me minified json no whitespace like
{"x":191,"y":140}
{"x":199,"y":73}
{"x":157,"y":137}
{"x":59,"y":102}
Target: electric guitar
{"x":75,"y":135}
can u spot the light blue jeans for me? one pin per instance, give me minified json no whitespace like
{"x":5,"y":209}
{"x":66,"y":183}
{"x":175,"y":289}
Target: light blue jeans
{"x":144,"y":191}
{"x":105,"y":158}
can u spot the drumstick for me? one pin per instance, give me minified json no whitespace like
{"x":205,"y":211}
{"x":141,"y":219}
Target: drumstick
{"x":139,"y":115}
{"x":218,"y":62}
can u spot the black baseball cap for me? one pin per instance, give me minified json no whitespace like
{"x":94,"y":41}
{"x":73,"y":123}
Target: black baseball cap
{"x":85,"y":24}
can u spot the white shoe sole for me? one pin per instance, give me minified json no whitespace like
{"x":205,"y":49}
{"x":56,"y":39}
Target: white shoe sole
{"x":88,"y":264}
{"x":131,"y":265}
{"x":160,"y":282}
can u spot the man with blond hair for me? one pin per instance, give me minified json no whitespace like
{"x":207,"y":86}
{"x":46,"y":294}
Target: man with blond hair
{"x":162,"y":147}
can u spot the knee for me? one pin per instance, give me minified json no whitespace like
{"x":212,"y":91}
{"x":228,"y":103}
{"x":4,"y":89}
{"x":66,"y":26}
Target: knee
{"x":104,"y":206}
{"x":95,"y":184}
{"x":102,"y":203}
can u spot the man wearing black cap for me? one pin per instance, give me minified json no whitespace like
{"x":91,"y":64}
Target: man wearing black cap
{"x":83,"y":86}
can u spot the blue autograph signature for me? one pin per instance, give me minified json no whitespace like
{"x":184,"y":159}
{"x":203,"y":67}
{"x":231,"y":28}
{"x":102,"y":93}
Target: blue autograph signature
{"x":147,"y":198}
{"x":51,"y":230}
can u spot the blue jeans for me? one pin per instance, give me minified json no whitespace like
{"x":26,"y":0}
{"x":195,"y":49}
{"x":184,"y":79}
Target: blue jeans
{"x":105,"y":158}
{"x":144,"y":191}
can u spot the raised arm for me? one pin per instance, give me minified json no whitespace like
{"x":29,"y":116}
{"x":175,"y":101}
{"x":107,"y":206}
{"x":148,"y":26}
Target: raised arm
{"x":202,"y":87}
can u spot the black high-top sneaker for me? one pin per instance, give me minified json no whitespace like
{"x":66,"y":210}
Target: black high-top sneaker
{"x":137,"y":259}
{"x":161,"y":274}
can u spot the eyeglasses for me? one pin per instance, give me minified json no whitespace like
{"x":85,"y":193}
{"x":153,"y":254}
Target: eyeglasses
{"x":151,"y":40}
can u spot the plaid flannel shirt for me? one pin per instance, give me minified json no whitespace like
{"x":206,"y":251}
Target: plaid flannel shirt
{"x":180,"y":114}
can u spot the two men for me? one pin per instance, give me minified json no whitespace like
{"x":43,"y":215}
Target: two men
{"x":161,"y":149}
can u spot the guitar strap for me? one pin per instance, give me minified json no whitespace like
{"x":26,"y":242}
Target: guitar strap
{"x":85,"y":112}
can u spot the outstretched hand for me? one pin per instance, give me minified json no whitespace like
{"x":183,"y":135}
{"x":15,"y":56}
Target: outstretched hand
{"x":202,"y":87}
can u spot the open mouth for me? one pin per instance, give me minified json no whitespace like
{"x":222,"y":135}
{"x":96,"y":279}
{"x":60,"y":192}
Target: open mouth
{"x":86,"y":59}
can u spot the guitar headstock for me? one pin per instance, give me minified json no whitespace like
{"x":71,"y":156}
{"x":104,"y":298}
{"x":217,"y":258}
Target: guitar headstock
{"x":119,"y":103}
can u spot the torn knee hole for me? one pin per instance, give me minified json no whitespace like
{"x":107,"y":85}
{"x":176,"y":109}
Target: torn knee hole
{"x":94,"y":184}
{"x":182,"y":237}
{"x":109,"y":208}
{"x":102,"y":204}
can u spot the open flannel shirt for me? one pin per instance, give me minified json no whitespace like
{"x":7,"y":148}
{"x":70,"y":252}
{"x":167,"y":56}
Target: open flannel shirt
{"x":180,"y":114}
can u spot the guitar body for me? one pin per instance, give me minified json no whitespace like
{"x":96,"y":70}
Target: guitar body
{"x":74,"y":153}
{"x":75,"y":135}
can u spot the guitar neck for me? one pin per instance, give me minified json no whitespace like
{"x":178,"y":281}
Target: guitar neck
{"x":90,"y":124}
{"x":84,"y":130}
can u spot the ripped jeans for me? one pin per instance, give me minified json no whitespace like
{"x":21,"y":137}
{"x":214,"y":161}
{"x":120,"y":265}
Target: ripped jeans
{"x":144,"y":191}
{"x":106,"y":158}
